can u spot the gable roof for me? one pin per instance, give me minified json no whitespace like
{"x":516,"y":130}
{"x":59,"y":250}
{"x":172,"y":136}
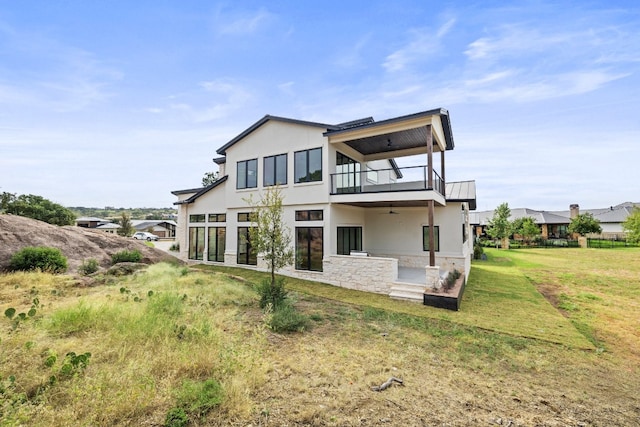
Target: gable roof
{"x":198,"y":192}
{"x":223,"y":150}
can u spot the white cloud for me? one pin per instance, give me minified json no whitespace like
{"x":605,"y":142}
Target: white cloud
{"x":422,"y":44}
{"x":241,"y":24}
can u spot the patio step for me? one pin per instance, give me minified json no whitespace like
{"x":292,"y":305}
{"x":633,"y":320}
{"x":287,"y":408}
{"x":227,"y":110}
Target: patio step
{"x":407,"y":291}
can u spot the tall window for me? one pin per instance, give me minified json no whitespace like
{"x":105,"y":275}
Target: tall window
{"x":349,"y":239}
{"x":309,"y":248}
{"x":347,"y":174}
{"x":308,"y":165}
{"x":425,"y":237}
{"x":246,"y":254}
{"x":217,"y":242}
{"x":196,"y":242}
{"x":275,"y":170}
{"x":247,"y":174}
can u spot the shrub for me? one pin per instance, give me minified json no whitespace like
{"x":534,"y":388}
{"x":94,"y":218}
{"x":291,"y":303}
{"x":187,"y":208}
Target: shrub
{"x":88,"y":266}
{"x":42,"y":258}
{"x":286,"y":318}
{"x":126,"y":256}
{"x":175,"y":247}
{"x":176,"y":417}
{"x":478,"y":250}
{"x":452,"y":277}
{"x":272,"y":295}
{"x":199,"y":397}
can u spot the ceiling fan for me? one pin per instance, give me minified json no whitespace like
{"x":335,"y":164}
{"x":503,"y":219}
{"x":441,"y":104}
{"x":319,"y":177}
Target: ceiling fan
{"x":391,"y":211}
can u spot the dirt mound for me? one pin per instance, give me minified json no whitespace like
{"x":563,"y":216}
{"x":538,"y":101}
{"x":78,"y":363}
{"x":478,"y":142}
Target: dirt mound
{"x":76,"y":243}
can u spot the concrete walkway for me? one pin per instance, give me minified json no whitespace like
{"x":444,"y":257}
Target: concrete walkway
{"x":412,"y":275}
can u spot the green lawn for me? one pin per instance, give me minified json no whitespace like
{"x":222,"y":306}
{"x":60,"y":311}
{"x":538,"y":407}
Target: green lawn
{"x":498,"y":297}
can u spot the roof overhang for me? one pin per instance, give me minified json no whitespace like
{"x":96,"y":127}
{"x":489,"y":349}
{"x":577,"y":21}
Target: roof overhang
{"x":397,"y":137}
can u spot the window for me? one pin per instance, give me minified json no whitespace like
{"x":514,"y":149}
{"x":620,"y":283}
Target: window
{"x":347,"y":174}
{"x":309,"y":215}
{"x":196,"y":218}
{"x":349,"y":239}
{"x":217,"y":217}
{"x":217,"y":242}
{"x":372,"y":175}
{"x":308,"y":165}
{"x":425,"y":237}
{"x":309,"y":248}
{"x":246,"y":254}
{"x":275,"y":170}
{"x":247,"y":174}
{"x":244,"y":216}
{"x":196,"y":242}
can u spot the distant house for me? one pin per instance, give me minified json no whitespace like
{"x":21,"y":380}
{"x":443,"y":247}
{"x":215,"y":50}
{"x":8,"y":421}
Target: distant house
{"x":90,"y":222}
{"x":554,"y":224}
{"x":357,"y":219}
{"x":165,"y":229}
{"x":109,"y":228}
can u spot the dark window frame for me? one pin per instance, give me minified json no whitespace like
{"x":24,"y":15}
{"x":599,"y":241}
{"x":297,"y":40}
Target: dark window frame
{"x":425,"y":237}
{"x":304,"y":256}
{"x":308,"y":215}
{"x":218,"y":217}
{"x":244,"y":216}
{"x":196,"y":246}
{"x":353,"y":234}
{"x":197,"y":218}
{"x":244,"y":183}
{"x":250,"y":257}
{"x":307,"y":162}
{"x":215,"y":250}
{"x":273,"y":180}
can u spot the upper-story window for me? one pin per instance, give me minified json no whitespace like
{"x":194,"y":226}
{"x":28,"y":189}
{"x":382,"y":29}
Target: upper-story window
{"x":275,"y":170}
{"x":244,"y":216}
{"x":217,"y":217}
{"x":308,"y":165}
{"x":247,"y":174}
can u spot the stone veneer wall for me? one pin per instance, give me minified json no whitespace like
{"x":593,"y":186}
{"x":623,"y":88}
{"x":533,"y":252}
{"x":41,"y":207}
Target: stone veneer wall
{"x":421,"y":261}
{"x":370,"y":274}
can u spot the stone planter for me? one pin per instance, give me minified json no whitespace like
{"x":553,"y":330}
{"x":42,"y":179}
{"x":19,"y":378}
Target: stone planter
{"x":447,"y":299}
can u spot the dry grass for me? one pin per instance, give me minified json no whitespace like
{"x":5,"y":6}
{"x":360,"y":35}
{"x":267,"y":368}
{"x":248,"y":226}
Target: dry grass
{"x":454,"y":374}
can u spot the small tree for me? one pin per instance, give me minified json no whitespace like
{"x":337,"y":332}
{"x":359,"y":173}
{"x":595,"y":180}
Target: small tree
{"x":632,"y":226}
{"x":36,"y":207}
{"x":584,"y":224}
{"x":209,"y":178}
{"x":270,"y":236}
{"x":526,"y":227}
{"x":126,"y":229}
{"x":499,"y":227}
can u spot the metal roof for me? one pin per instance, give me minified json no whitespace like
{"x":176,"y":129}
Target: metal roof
{"x":461,"y":191}
{"x":199,"y":192}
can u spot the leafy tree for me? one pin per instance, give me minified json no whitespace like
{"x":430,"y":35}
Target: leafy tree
{"x":126,"y":229}
{"x":36,"y":207}
{"x":525,"y":227}
{"x":632,"y":226}
{"x":499,"y":227}
{"x":209,"y":178}
{"x":584,"y":224}
{"x":270,"y":236}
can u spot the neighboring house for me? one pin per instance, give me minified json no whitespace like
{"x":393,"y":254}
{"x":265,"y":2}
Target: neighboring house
{"x":109,"y":228}
{"x":164,"y":229}
{"x":90,"y":222}
{"x":358,"y":220}
{"x":554,"y":224}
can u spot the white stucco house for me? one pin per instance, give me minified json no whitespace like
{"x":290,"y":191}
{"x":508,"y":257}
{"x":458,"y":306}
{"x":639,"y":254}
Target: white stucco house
{"x":358,"y":220}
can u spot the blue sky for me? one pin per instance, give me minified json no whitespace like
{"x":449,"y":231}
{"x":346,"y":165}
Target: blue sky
{"x":117,"y":103}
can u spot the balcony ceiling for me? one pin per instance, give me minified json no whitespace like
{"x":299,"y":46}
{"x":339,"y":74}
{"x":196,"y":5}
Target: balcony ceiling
{"x":390,"y":142}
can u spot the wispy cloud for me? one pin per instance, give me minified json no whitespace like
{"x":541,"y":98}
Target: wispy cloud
{"x":242,"y":22}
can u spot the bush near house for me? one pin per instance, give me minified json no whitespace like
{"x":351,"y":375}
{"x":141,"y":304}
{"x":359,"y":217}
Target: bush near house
{"x":41,"y":258}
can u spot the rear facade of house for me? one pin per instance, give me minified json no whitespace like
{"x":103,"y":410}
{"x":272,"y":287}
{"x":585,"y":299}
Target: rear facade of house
{"x":357,"y":219}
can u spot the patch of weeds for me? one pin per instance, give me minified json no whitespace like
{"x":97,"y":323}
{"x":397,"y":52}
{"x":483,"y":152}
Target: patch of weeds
{"x":12,"y":314}
{"x":176,"y":417}
{"x":126,"y":256}
{"x":197,"y":398}
{"x":271,"y":294}
{"x":88,"y":266}
{"x":588,"y":296}
{"x":286,"y":318}
{"x":565,"y":303}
